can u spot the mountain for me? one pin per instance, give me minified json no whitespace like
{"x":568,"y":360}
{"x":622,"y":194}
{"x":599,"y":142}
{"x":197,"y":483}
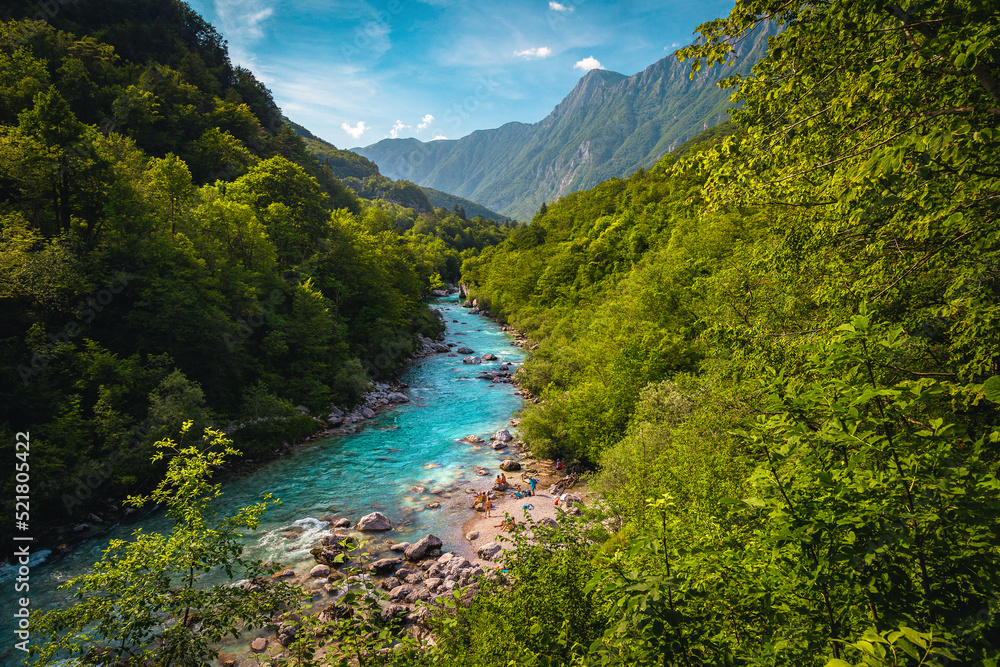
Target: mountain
{"x":363,"y":177}
{"x":608,"y":126}
{"x":441,"y":199}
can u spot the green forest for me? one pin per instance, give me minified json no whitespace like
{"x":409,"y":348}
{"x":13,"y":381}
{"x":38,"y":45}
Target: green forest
{"x":171,"y":250}
{"x":774,"y":356}
{"x":779,"y":354}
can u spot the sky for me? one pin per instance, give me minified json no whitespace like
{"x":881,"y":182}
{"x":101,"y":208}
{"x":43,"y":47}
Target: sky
{"x":355,"y":72}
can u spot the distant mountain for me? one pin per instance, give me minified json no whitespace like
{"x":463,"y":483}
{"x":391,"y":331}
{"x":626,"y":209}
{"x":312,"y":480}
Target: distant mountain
{"x":363,"y":177}
{"x":608,"y":126}
{"x":441,"y":199}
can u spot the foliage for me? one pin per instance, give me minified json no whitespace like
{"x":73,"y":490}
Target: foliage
{"x":145,"y":600}
{"x":778,"y":353}
{"x":166,"y":241}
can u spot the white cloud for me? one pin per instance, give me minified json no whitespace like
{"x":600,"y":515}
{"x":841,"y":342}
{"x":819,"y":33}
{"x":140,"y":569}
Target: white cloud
{"x":396,"y":127}
{"x":588,"y":63}
{"x":535,"y":52}
{"x":556,"y":7}
{"x":439,"y":137}
{"x":425,"y":121}
{"x":355,"y":131}
{"x":242,"y":22}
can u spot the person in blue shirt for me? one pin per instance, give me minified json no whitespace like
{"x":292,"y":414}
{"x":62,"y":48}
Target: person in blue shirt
{"x":533,"y":481}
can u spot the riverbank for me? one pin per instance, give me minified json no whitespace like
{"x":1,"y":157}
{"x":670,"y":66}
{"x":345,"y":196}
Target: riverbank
{"x":482,"y":532}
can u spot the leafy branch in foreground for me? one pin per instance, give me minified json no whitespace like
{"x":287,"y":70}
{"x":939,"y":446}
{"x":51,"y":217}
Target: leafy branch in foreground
{"x":145,"y":600}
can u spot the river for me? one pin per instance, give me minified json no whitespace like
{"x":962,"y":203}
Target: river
{"x":383,"y":467}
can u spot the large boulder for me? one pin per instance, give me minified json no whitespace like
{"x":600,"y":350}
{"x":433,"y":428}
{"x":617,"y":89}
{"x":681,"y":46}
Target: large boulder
{"x":330,"y":556}
{"x":338,"y":539}
{"x":400,"y":592}
{"x":472,"y":360}
{"x":510,"y":465}
{"x":286,"y":633}
{"x":376,"y":521}
{"x":473,"y":439}
{"x":489,"y":356}
{"x":423,"y":548}
{"x":503,"y":435}
{"x":441,"y":347}
{"x":489,"y":551}
{"x":397,"y":397}
{"x":385,"y":565}
{"x":497,"y":446}
{"x":571,"y":499}
{"x":320,"y":571}
{"x":464,"y":350}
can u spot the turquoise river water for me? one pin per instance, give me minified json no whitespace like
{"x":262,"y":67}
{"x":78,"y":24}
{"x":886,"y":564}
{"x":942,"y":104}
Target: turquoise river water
{"x":394,"y":465}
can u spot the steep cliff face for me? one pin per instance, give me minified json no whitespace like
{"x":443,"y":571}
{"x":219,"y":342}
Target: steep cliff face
{"x":609,"y":125}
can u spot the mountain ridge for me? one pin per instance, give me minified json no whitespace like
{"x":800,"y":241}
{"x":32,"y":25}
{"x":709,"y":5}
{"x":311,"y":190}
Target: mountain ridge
{"x":607,"y":126}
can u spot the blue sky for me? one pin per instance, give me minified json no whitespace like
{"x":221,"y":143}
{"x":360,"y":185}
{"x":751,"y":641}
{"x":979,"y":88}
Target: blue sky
{"x":355,"y":72}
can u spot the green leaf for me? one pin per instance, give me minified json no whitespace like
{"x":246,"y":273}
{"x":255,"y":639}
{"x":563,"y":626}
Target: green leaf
{"x":991,"y":389}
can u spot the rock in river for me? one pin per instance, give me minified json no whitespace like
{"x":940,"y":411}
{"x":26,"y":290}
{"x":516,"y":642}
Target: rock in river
{"x":503,"y":435}
{"x":464,"y":350}
{"x":489,"y":356}
{"x":472,"y":360}
{"x":374,"y":521}
{"x":320,"y":571}
{"x":385,"y":565}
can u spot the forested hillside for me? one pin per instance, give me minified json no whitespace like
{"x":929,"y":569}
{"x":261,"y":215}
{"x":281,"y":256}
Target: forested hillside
{"x":779,"y":355}
{"x":171,"y":250}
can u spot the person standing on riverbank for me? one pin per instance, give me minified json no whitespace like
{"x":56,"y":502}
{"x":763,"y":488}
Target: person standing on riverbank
{"x":532,"y":481}
{"x":487,"y":506}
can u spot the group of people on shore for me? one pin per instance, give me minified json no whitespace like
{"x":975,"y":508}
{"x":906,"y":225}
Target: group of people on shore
{"x":501,"y":485}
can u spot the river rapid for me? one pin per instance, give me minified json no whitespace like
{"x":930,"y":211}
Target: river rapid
{"x":405,"y":458}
